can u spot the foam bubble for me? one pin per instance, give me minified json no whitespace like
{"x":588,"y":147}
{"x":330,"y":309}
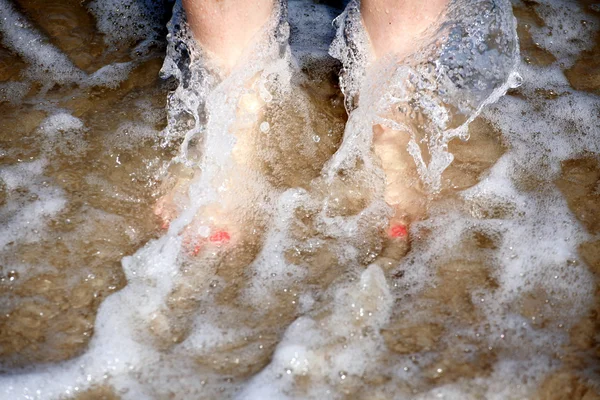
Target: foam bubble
{"x":567,"y":29}
{"x":125,"y":24}
{"x":13,"y":92}
{"x":332,"y":349}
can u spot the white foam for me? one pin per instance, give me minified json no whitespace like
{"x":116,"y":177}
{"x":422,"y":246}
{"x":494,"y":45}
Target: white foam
{"x":46,"y":64}
{"x":110,"y":75}
{"x":13,"y":92}
{"x":567,"y":29}
{"x":24,"y":220}
{"x":330,"y":350}
{"x":63,"y":133}
{"x":129,"y":22}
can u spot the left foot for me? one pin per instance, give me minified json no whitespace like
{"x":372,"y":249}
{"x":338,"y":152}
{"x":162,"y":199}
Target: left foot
{"x":391,"y":31}
{"x":403,"y":187}
{"x":399,"y":32}
{"x":397,"y":27}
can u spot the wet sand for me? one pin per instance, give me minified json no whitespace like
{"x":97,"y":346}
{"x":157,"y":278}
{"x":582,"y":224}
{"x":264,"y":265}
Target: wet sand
{"x":48,"y":314}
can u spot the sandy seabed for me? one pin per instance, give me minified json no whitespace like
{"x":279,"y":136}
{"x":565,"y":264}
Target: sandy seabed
{"x":497,"y":295}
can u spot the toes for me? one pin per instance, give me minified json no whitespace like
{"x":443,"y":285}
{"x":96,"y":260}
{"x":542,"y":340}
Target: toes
{"x":218,"y":238}
{"x":197,"y":248}
{"x":165,"y":219}
{"x":159,"y":207}
{"x":398,"y":231}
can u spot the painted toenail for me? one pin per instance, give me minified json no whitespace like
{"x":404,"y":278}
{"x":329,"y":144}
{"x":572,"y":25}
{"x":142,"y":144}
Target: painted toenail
{"x":398,"y":231}
{"x":220,"y":237}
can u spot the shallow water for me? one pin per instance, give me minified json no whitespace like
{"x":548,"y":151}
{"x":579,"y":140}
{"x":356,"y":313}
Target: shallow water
{"x":497,"y":296}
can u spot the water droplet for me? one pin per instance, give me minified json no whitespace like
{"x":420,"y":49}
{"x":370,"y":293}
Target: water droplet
{"x":265,"y":127}
{"x":12,"y":275}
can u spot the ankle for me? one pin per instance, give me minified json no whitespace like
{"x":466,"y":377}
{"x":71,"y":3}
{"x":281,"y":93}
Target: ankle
{"x":226,"y":28}
{"x":393,"y":26}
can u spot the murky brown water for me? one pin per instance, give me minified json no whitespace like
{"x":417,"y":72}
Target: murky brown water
{"x":48,"y":313}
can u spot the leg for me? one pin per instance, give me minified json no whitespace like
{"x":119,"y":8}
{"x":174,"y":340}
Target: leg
{"x":228,"y":30}
{"x":226,"y":27}
{"x":394,"y":26}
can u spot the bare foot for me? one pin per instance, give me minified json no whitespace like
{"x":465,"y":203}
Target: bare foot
{"x":221,"y":227}
{"x":231,"y":34}
{"x":394,"y":30}
{"x":404,"y":191}
{"x":170,"y":205}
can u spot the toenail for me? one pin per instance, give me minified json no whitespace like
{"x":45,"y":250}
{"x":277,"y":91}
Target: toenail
{"x":220,"y":237}
{"x":399,"y":231}
{"x":197,"y":249}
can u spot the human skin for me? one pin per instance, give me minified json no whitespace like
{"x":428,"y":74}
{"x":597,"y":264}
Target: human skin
{"x":226,"y":27}
{"x":394,"y":28}
{"x":395,"y":25}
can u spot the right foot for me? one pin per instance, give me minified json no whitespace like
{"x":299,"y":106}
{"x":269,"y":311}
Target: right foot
{"x":232,"y":36}
{"x":226,"y":28}
{"x":250,"y":111}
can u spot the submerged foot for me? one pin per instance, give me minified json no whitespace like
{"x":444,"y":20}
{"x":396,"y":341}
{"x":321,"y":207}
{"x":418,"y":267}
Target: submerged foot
{"x":420,"y":72}
{"x":396,"y":33}
{"x":391,"y":33}
{"x":230,"y":66}
{"x":214,"y":225}
{"x":404,"y":192}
